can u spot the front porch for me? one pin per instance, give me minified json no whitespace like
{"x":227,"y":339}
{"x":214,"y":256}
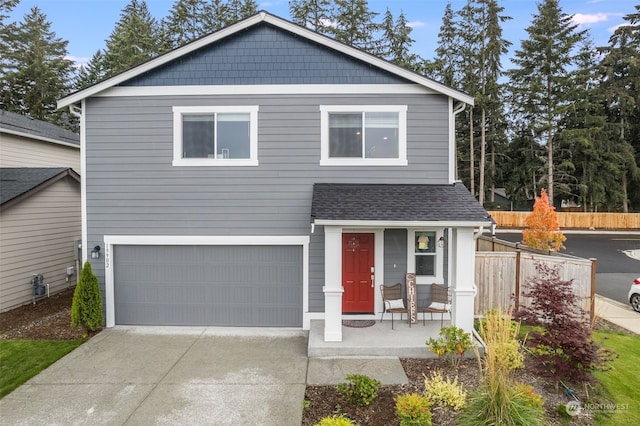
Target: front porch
{"x":378,"y":340}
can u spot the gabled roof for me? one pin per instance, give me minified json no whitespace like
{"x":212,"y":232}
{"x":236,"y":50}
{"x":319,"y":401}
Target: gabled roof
{"x":445,"y":205}
{"x":282,"y":24}
{"x":21,"y":125}
{"x":18,"y":183}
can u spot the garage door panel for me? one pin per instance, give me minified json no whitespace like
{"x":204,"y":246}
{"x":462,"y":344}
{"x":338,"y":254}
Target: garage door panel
{"x":210,"y":285}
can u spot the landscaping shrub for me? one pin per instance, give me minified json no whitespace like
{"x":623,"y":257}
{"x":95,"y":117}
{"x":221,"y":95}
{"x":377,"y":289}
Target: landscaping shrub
{"x":336,"y":420}
{"x":563,"y":345}
{"x":499,"y":400}
{"x":452,"y":341}
{"x":413,"y":410}
{"x":440,"y":391}
{"x":359,"y":389}
{"x":86,"y":307}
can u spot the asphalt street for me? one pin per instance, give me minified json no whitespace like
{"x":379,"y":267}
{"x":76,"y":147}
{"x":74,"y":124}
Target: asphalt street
{"x":614,"y":269}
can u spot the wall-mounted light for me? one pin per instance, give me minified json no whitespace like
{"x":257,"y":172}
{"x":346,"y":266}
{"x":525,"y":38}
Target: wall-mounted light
{"x":441,"y":242}
{"x":95,"y":253}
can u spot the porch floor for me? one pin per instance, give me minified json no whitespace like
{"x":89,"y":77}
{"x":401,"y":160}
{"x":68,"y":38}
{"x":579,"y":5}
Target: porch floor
{"x":378,"y":340}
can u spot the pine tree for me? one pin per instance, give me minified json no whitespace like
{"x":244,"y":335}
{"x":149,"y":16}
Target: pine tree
{"x":134,"y":40}
{"x":395,"y":42}
{"x":312,"y":14}
{"x":92,"y":72}
{"x":86,"y":307}
{"x":35,"y":71}
{"x":240,"y":9}
{"x":540,"y":82}
{"x":543,"y":230}
{"x":7,"y":33}
{"x":620,"y":77}
{"x":354,"y":24}
{"x":186,"y":21}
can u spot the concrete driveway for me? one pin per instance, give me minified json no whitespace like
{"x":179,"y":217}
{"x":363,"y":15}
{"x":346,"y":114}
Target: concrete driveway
{"x":169,"y":376}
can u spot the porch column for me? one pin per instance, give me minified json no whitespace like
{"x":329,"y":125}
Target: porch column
{"x":332,"y":284}
{"x":463,"y":296}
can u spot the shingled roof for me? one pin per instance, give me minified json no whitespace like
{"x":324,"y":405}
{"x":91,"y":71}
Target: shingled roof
{"x":396,"y":203}
{"x":17,"y":183}
{"x":21,"y":125}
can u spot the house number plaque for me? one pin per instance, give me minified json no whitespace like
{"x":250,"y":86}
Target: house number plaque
{"x":412,"y":297}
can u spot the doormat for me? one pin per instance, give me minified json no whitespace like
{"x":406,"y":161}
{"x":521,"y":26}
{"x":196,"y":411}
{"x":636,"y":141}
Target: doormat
{"x":358,"y":323}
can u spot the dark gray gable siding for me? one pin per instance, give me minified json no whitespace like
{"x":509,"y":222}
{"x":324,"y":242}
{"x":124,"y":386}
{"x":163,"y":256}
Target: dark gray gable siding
{"x":265,"y":54}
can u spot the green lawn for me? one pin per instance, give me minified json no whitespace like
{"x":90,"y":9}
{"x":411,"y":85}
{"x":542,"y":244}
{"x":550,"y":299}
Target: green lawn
{"x":620,"y":382}
{"x":20,"y":360}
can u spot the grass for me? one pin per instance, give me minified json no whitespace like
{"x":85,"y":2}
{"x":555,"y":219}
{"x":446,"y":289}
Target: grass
{"x":622,"y":405}
{"x":20,"y":360}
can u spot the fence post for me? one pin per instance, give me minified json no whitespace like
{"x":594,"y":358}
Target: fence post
{"x":592,"y":314}
{"x":517,"y":295}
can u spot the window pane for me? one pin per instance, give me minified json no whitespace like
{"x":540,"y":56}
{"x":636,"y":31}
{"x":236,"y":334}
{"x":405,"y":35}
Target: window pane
{"x":345,"y":135}
{"x":425,"y":242}
{"x":381,"y":134}
{"x":233,"y":135}
{"x":197,"y":136}
{"x":425,"y":265}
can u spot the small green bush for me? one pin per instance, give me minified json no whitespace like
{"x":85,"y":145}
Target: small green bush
{"x":359,"y":389}
{"x":452,"y":341}
{"x":413,"y":410}
{"x":335,"y":420}
{"x":440,"y":391}
{"x":86,"y":307}
{"x":516,"y":409}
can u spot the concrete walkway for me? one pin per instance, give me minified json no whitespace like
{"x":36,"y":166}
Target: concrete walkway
{"x":618,"y":314}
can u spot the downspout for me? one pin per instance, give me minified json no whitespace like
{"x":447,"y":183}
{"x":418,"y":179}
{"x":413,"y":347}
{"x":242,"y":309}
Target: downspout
{"x":76,"y":111}
{"x":457,"y":109}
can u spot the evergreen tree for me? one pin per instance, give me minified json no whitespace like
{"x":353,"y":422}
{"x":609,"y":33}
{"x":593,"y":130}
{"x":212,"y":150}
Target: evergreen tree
{"x":354,"y":24}
{"x":312,"y":14}
{"x":86,"y":307}
{"x":446,"y":65}
{"x":92,"y":72}
{"x":540,"y":82}
{"x":134,"y":40}
{"x":216,"y":16}
{"x":240,"y":9}
{"x":620,"y":77}
{"x":186,"y":21}
{"x":395,"y":42}
{"x":35,"y":71}
{"x":7,"y":33}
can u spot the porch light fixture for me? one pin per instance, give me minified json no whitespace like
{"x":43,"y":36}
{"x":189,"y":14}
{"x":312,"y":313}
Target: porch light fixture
{"x":441,"y":242}
{"x":95,"y":253}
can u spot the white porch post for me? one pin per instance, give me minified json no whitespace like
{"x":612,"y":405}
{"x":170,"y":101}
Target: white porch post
{"x":463,"y":251}
{"x":333,"y":284}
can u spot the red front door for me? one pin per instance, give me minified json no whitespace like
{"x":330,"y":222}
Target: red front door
{"x":357,"y":273}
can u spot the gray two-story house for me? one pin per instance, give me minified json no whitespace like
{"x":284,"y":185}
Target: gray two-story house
{"x":266,"y":175}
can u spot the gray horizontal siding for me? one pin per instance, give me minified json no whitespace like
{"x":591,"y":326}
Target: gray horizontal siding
{"x":264,"y":55}
{"x":133,"y":188}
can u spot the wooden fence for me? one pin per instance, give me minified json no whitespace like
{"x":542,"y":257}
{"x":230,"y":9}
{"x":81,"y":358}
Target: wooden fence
{"x":571,"y":220}
{"x":500,"y":275}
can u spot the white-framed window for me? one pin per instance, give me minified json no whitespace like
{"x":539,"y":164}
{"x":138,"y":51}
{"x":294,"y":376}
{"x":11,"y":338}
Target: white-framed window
{"x":215,"y":136}
{"x":425,"y":256}
{"x":361,"y":135}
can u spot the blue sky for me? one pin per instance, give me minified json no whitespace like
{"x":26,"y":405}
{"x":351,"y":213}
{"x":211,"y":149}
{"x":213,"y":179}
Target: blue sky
{"x":86,"y":24}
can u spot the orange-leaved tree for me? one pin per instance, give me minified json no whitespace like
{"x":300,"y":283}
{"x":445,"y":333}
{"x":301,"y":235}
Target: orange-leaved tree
{"x":543,"y":231}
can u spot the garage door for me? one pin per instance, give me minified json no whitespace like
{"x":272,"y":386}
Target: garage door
{"x":208,"y":285}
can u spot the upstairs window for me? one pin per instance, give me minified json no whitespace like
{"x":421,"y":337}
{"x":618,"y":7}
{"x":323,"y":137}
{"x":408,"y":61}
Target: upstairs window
{"x":363,"y":135}
{"x":215,"y":136}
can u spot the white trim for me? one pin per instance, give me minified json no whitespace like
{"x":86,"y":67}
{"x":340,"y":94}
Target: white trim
{"x":438,"y":278}
{"x":266,"y":89}
{"x":400,"y":224}
{"x":178,"y":113}
{"x":198,"y":240}
{"x":39,"y":138}
{"x":325,"y":160}
{"x":280,"y":23}
{"x":83,"y":181}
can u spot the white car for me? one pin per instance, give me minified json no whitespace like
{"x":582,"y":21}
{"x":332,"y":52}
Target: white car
{"x":634,"y":295}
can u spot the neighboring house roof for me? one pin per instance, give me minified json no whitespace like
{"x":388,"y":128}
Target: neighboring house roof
{"x":21,"y":125}
{"x":264,"y":17}
{"x":18,"y":183}
{"x":345,"y":203}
